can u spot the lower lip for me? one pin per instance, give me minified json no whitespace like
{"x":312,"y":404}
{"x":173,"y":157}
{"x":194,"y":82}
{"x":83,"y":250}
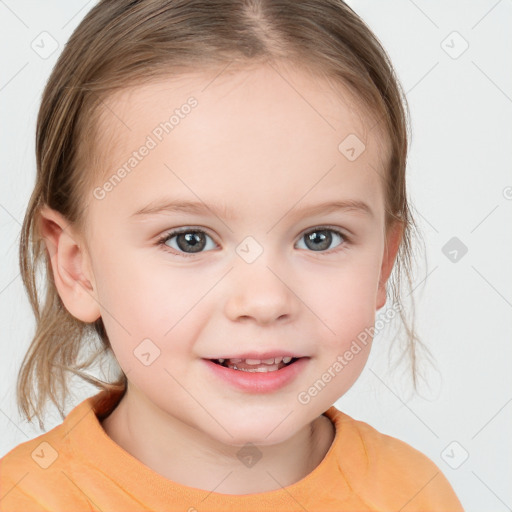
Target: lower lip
{"x":259,"y":382}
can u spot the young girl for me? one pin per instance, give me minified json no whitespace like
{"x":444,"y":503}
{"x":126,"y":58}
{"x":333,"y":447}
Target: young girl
{"x":220,"y":201}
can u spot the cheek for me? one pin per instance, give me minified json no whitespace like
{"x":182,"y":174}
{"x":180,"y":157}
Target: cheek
{"x":343,"y":301}
{"x":142,"y":302}
{"x":144,"y":291}
{"x":344,"y":298}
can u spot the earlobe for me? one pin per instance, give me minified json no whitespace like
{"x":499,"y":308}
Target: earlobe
{"x":390,"y":252}
{"x":70,"y":265}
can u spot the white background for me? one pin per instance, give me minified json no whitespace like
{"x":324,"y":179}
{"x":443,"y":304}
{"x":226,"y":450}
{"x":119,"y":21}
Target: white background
{"x":459,"y":170}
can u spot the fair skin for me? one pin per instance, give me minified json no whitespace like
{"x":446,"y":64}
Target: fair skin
{"x":256,"y":146}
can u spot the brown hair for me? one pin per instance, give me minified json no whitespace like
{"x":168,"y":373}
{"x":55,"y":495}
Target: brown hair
{"x":125,"y":43}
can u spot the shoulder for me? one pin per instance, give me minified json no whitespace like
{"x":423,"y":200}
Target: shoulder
{"x":29,"y":470}
{"x":33,"y":471}
{"x":390,"y":472}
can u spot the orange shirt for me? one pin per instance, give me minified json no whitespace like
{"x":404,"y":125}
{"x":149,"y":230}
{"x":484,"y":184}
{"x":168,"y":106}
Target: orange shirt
{"x":77,"y":467}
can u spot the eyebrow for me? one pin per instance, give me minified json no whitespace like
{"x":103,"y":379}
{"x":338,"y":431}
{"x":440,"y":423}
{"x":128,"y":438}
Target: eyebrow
{"x":199,"y":208}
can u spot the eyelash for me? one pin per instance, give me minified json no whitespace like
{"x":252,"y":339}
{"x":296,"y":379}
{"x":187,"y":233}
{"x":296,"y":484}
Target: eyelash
{"x":161,"y":241}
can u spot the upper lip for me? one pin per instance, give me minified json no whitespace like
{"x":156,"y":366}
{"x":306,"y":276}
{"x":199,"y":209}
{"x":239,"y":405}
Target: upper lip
{"x":260,"y":355}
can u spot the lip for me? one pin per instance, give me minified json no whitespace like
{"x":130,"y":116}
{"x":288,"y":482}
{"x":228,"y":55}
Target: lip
{"x":260,"y":355}
{"x":258,"y":382}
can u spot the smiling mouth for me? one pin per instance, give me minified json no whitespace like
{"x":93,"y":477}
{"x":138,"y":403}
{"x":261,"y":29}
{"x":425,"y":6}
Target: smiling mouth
{"x":255,"y":365}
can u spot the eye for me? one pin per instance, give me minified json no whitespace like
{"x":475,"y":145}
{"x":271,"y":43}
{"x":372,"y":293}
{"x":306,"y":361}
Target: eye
{"x":188,"y":241}
{"x":320,"y":238}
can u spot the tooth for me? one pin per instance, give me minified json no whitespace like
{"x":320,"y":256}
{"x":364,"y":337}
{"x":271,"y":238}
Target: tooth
{"x":287,"y":359}
{"x":278,"y":360}
{"x":221,"y":360}
{"x":269,"y":361}
{"x":262,"y":369}
{"x":235,"y":360}
{"x":269,"y":369}
{"x":253,"y":361}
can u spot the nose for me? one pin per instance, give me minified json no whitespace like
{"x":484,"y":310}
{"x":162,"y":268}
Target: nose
{"x":260,"y":292}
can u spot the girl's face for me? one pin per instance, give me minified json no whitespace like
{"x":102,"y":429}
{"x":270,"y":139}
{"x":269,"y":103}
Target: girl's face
{"x":258,"y":153}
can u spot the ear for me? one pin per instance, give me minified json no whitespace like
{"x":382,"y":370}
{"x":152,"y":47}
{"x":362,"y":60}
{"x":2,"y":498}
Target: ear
{"x":393,"y":239}
{"x":70,"y":262}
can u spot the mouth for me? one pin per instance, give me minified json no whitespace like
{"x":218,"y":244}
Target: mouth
{"x":257,"y":365}
{"x":257,"y":376}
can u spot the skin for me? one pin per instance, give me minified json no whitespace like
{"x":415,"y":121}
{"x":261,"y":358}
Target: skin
{"x":262,"y":142}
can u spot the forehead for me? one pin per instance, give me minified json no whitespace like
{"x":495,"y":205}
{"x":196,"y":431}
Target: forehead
{"x":280,"y":126}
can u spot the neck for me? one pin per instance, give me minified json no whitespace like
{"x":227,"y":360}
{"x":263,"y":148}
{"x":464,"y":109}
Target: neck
{"x":190,"y":457}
